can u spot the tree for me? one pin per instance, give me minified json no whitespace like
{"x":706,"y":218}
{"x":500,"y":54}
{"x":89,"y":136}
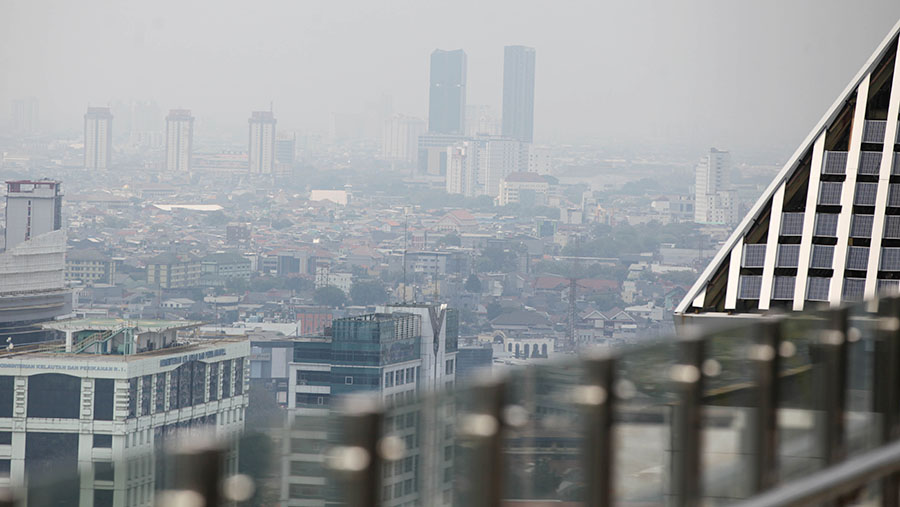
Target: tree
{"x":330,"y":296}
{"x":473,"y":284}
{"x":368,"y":292}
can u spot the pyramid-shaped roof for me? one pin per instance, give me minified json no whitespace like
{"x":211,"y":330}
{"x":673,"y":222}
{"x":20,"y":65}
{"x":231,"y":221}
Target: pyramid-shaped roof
{"x":827,"y":229}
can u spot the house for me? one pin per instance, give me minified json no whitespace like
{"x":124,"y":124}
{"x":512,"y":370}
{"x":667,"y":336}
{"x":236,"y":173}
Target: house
{"x":458,"y":221}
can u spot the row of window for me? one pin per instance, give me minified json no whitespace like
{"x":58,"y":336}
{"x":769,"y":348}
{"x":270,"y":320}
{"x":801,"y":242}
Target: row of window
{"x":869,"y":163}
{"x":817,"y":288}
{"x":400,"y":377}
{"x":830,"y":193}
{"x":822,"y":257}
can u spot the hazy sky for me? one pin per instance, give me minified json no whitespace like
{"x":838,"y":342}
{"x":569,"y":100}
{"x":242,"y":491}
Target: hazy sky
{"x":744,"y":75}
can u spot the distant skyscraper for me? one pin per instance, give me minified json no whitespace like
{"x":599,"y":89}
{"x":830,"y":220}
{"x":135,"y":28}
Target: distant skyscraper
{"x":32,"y":208}
{"x":401,"y":138}
{"x":97,"y":138}
{"x":715,"y":202}
{"x":262,"y":142}
{"x":447,"y":95}
{"x":25,"y":116}
{"x":518,"y":93}
{"x":179,"y":140}
{"x":285,"y":148}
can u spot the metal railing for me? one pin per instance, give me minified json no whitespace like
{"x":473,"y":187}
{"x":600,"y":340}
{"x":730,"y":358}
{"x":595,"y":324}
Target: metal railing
{"x":797,"y":409}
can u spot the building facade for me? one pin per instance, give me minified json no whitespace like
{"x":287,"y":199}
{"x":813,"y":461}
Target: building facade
{"x":179,"y":140}
{"x":518,"y":93}
{"x":526,"y":188}
{"x":97,"y":138}
{"x":171,"y":271}
{"x":826,"y":230}
{"x":715,"y":200}
{"x":401,"y":138}
{"x":89,"y":266}
{"x":447,"y":93}
{"x":32,"y":208}
{"x":261,"y":149}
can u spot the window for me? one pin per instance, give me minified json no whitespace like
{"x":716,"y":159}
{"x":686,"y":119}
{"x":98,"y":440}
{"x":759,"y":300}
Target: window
{"x":750,"y":287}
{"x":888,"y":287}
{"x":857,"y":257}
{"x":348,"y":381}
{"x":895,"y":167}
{"x":817,"y":288}
{"x":873,"y":131}
{"x":754,"y":256}
{"x":783,"y":287}
{"x":56,"y":395}
{"x":894,"y":195}
{"x":861,"y":226}
{"x":869,"y":162}
{"x":389,"y":379}
{"x":822,"y":256}
{"x":891,"y":227}
{"x":830,"y":193}
{"x":835,"y":162}
{"x":865,"y":194}
{"x":854,"y":288}
{"x":102,"y":441}
{"x":103,"y":471}
{"x":826,"y":225}
{"x":792,"y":224}
{"x":788,"y":256}
{"x":890,"y":259}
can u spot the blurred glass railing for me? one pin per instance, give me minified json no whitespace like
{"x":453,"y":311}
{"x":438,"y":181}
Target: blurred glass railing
{"x":780,"y":410}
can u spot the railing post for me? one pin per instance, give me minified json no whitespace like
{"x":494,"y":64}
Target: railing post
{"x":886,"y":386}
{"x":356,"y":463}
{"x":834,"y":357}
{"x":765,"y":355}
{"x":688,"y":421}
{"x":480,"y":430}
{"x":597,"y":401}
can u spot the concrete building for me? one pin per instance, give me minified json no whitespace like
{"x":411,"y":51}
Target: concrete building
{"x":33,"y":207}
{"x":179,"y":140}
{"x":89,"y":266}
{"x":262,"y":142}
{"x":25,"y":117}
{"x":97,"y":138}
{"x":715,"y":200}
{"x":172,"y":271}
{"x":498,"y":158}
{"x":226,"y":265}
{"x":447,"y":93}
{"x":107,"y":399}
{"x":401,"y":138}
{"x":518,"y":93}
{"x":826,"y":230}
{"x":432,"y":152}
{"x":286,"y":148}
{"x":526,"y":188}
{"x":462,"y":169}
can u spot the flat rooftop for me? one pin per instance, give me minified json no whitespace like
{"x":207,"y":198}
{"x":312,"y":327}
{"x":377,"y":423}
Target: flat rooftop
{"x":104,"y":324}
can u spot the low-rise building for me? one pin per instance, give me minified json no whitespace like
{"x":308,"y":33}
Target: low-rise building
{"x":527,"y":188}
{"x":226,"y":265}
{"x":89,"y":266}
{"x":173,"y":271}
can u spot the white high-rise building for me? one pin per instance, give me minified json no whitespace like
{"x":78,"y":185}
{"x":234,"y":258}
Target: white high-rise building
{"x":462,"y":169}
{"x":97,"y":138}
{"x":500,"y":157}
{"x":715,"y":201}
{"x":401,"y":138}
{"x":179,"y":140}
{"x":32,"y":208}
{"x":262,"y":142}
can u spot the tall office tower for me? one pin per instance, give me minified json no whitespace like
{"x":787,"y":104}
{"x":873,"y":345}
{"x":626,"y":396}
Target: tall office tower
{"x":393,"y":354}
{"x":262,"y":142}
{"x":179,"y":140}
{"x":401,"y":138}
{"x":827,"y":230}
{"x":518,"y":93}
{"x":714,"y":200}
{"x":97,"y":138}
{"x":286,"y":148}
{"x":25,"y":116}
{"x":447,"y":94}
{"x":32,"y":208}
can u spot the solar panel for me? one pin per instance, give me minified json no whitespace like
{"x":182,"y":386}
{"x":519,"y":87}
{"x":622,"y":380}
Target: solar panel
{"x":788,"y":256}
{"x":792,"y":224}
{"x":835,"y":162}
{"x":822,"y":255}
{"x":817,"y":288}
{"x":888,"y":287}
{"x":830,"y":192}
{"x":865,"y":194}
{"x":873,"y":131}
{"x":869,"y":162}
{"x":750,"y":287}
{"x":826,"y":225}
{"x":895,"y":167}
{"x":891,"y":227}
{"x":754,"y":256}
{"x":894,"y":195}
{"x":861,"y":226}
{"x":890,"y":259}
{"x":783,"y":287}
{"x":854,"y":288}
{"x":857,"y":257}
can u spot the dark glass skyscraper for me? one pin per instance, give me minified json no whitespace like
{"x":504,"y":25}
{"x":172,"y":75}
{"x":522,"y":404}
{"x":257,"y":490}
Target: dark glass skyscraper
{"x":518,"y":93}
{"x":447,"y":95}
